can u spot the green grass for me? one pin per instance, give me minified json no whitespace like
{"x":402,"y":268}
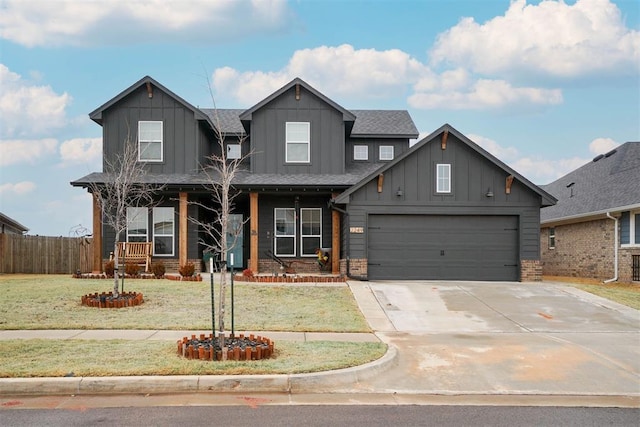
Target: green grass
{"x":57,"y":358}
{"x":53,"y":302}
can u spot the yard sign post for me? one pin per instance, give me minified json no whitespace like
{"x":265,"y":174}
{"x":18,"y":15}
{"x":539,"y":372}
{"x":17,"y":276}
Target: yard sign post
{"x":213,"y":306}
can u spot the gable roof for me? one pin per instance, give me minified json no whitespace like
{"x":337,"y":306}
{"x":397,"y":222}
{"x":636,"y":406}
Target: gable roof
{"x":346,"y":114}
{"x":381,"y":123}
{"x":5,"y":220}
{"x":547,"y":199}
{"x":229,"y":120}
{"x":609,"y":183}
{"x":96,"y":115}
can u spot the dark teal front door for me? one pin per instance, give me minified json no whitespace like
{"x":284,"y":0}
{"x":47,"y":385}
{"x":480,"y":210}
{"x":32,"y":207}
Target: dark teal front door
{"x":235,"y":232}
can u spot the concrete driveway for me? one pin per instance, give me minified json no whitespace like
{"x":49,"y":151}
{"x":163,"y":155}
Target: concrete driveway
{"x":499,"y":337}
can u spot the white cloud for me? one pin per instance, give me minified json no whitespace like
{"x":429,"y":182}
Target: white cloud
{"x":26,"y":151}
{"x":371,"y":74}
{"x":551,"y":38}
{"x":535,"y":168}
{"x":85,"y":23}
{"x":81,"y":151}
{"x":18,"y":188}
{"x":366,"y":73}
{"x":27,"y":109}
{"x":602,"y":145}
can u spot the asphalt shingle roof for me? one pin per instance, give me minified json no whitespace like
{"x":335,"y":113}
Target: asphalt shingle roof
{"x":612,"y":181}
{"x":383,"y":123}
{"x":229,"y":119}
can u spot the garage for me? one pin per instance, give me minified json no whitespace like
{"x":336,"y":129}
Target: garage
{"x":443,"y":247}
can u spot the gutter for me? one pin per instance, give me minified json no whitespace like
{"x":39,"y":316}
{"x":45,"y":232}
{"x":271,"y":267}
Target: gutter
{"x":347,"y":241}
{"x":615,"y":249}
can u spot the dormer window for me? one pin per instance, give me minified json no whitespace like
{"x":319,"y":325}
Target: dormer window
{"x":150,"y":139}
{"x":360,"y":152}
{"x":386,"y":152}
{"x":298,"y":142}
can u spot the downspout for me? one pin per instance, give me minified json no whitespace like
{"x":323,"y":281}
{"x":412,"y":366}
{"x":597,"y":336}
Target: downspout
{"x":615,"y":249}
{"x":347,"y":241}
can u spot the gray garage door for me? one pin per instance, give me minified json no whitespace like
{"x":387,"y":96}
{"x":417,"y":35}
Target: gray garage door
{"x":443,"y":247}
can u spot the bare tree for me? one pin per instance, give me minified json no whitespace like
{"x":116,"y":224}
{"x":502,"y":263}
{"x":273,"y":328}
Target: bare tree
{"x":220,"y":235}
{"x":124,"y":186}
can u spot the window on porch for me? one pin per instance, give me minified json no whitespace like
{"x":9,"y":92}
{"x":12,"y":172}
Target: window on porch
{"x":137,"y":225}
{"x":310,"y":230}
{"x":285,"y":231}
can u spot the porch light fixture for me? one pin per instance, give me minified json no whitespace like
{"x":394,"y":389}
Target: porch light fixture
{"x":399,"y":193}
{"x":489,"y":192}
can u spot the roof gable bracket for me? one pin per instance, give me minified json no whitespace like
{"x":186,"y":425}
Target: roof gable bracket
{"x":443,"y":143}
{"x":149,"y":89}
{"x":380,"y":182}
{"x":507,"y":188}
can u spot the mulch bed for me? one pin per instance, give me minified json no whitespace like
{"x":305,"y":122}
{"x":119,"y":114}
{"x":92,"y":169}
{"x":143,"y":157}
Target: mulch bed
{"x":238,"y":348}
{"x":109,"y":300}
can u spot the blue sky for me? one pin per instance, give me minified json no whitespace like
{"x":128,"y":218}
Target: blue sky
{"x":543,"y":85}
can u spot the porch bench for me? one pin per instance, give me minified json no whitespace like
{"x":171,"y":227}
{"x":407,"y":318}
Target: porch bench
{"x":135,"y":252}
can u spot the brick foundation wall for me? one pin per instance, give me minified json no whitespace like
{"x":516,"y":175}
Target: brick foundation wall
{"x":530,"y":270}
{"x":583,"y":249}
{"x":357,"y":267}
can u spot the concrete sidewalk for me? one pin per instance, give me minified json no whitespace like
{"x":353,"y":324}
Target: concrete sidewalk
{"x":451,"y":339}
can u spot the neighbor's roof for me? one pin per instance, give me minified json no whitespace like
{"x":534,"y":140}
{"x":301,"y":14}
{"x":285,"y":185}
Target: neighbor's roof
{"x":609,"y":183}
{"x":12,"y":223}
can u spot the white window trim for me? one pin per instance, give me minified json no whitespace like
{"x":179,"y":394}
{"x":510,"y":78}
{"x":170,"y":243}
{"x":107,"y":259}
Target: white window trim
{"x":161,"y":141}
{"x":288,"y":236}
{"x":385,"y":158}
{"x":447,"y":168}
{"x":362,"y":154}
{"x":145,"y":214}
{"x":315,"y":236}
{"x":307,"y":142}
{"x":552,"y":235}
{"x":632,"y":231}
{"x":172,"y":235}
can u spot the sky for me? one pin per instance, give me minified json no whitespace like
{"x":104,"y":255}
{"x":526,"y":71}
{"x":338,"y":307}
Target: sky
{"x":543,"y":85}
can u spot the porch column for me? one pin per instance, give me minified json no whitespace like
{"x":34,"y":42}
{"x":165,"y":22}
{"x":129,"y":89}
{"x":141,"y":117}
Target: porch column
{"x":182,"y":224}
{"x":335,"y":240}
{"x":253,"y":225}
{"x":97,"y":236}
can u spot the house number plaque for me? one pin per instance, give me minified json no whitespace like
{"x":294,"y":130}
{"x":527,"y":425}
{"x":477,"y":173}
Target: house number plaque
{"x":356,"y":230}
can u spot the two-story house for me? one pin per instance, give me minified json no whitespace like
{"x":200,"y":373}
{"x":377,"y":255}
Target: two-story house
{"x":322,"y":176}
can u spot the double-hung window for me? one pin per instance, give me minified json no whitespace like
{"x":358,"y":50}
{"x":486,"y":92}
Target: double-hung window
{"x":163,"y":231}
{"x":298,"y":142}
{"x":285,"y":231}
{"x":137,"y":225}
{"x":443,"y":178}
{"x":150,"y":139}
{"x":310,"y":230}
{"x":630,"y":228}
{"x":552,"y":237}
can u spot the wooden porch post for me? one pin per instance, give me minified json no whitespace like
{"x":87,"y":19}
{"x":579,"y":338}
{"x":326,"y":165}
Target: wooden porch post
{"x":253,"y":225}
{"x":97,"y":236}
{"x":335,"y":240}
{"x":182,"y":224}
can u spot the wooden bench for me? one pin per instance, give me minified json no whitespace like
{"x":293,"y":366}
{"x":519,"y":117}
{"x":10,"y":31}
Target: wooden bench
{"x":135,"y":252}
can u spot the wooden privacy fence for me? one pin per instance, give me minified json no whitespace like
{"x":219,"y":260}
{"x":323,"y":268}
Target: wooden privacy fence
{"x":45,"y":255}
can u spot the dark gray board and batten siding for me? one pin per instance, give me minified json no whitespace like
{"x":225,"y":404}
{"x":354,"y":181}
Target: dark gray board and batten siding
{"x":473,"y":175}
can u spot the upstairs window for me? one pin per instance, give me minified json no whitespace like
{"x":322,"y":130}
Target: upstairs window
{"x":137,"y":225}
{"x":360,"y":152}
{"x":298,"y":142}
{"x":443,"y":178}
{"x":386,"y":152}
{"x":150,"y":141}
{"x":233,"y":152}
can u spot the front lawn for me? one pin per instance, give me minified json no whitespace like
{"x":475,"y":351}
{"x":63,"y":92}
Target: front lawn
{"x":53,"y":302}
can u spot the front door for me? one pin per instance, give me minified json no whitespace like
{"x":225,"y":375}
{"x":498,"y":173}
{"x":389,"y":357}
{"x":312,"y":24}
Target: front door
{"x":235,"y":232}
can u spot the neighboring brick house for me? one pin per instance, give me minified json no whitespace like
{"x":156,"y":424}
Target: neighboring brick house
{"x":594,"y":229}
{"x":323,"y":176}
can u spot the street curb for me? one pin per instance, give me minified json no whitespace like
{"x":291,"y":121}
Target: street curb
{"x":295,"y":383}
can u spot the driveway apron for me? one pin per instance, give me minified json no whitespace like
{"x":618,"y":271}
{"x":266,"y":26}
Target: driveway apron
{"x":504,"y":337}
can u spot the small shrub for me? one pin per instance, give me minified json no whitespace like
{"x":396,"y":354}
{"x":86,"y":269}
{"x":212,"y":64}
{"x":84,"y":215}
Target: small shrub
{"x":187,"y":269}
{"x":158,"y":269}
{"x":108,"y":268}
{"x":247,"y":272}
{"x":131,"y":269}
